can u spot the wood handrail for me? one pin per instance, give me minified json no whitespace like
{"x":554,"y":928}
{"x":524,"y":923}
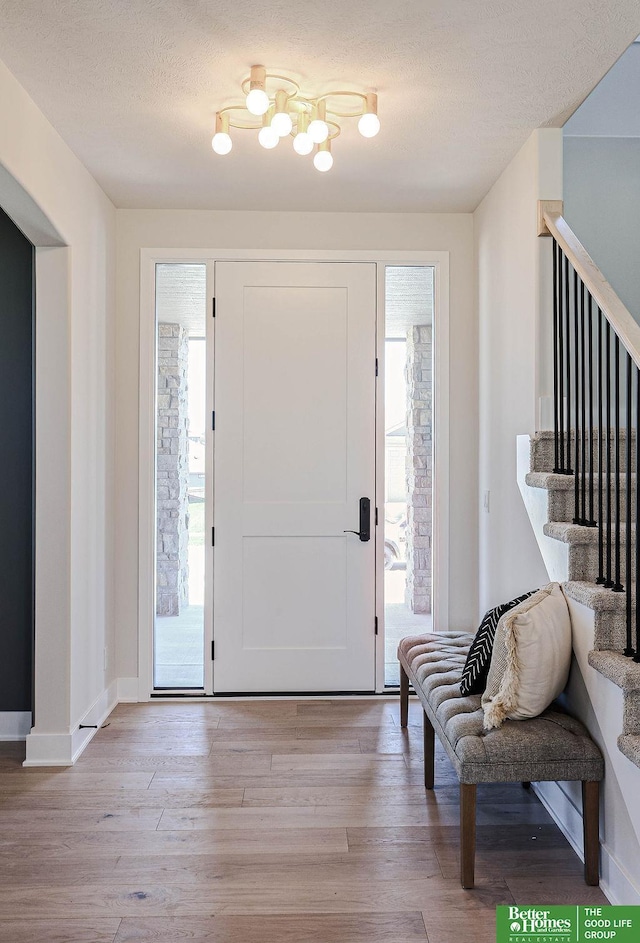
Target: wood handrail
{"x":617,"y":314}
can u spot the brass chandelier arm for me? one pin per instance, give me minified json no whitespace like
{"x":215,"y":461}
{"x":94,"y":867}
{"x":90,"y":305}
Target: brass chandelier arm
{"x":313,"y":121}
{"x":312,"y":102}
{"x":274,"y":75}
{"x":333,"y":124}
{"x":343,"y":114}
{"x":332,"y":134}
{"x":255,"y":124}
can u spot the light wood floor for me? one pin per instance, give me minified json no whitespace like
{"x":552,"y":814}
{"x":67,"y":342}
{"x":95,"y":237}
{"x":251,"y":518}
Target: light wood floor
{"x":263,"y":822}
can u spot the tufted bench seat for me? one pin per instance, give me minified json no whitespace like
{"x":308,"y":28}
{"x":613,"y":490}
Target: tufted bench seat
{"x":552,"y":747}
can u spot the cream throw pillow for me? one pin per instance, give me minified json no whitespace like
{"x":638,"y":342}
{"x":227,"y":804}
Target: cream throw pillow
{"x":531,"y":658}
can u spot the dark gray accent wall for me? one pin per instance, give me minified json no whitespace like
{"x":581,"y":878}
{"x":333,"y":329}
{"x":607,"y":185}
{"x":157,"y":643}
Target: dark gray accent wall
{"x":16,"y":467}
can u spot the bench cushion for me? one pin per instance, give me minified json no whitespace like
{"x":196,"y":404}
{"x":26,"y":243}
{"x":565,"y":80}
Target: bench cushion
{"x":553,"y":746}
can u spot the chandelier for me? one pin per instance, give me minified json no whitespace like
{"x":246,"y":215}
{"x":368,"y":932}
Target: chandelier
{"x":312,"y":121}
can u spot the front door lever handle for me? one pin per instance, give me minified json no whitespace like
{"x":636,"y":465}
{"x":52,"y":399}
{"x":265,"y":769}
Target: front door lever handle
{"x":365,"y":521}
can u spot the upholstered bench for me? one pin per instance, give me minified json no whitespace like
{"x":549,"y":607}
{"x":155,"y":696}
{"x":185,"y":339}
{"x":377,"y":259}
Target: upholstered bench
{"x":553,"y":746}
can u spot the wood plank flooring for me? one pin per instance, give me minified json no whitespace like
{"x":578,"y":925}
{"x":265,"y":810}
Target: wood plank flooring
{"x":264,"y":822}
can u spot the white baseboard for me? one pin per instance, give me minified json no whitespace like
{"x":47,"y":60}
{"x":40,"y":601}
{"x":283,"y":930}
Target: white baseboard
{"x":15,"y":725}
{"x":63,"y":749}
{"x":615,"y":883}
{"x":128,"y":690}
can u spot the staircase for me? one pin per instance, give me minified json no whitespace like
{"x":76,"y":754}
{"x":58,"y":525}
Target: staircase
{"x":570,"y":552}
{"x":580,"y":483}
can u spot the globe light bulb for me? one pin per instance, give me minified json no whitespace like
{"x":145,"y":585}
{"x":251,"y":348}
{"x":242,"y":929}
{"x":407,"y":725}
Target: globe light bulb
{"x":257,"y":99}
{"x":268,"y":137}
{"x":221,"y":143}
{"x":323,"y":159}
{"x":319,"y":129}
{"x":282,"y":123}
{"x":369,"y":123}
{"x":303,"y":143}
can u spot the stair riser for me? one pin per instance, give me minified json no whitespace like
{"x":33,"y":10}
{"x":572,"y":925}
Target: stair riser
{"x":583,"y":562}
{"x":562,"y":503}
{"x":543,"y":454}
{"x":610,"y":630}
{"x":631,"y":719}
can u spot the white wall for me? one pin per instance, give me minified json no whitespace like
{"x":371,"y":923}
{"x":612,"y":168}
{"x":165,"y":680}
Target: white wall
{"x":514,"y":356}
{"x":56,"y":202}
{"x":243,"y":230}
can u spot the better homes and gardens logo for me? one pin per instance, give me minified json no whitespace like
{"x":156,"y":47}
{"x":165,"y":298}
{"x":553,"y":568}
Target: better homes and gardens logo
{"x":541,"y":924}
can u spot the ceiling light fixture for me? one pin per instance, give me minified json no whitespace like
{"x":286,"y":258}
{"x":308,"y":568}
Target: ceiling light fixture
{"x":276,"y":108}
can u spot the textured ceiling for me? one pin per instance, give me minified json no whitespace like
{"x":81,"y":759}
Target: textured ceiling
{"x":132,"y":87}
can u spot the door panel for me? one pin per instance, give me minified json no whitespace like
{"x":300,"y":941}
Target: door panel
{"x":294,"y":452}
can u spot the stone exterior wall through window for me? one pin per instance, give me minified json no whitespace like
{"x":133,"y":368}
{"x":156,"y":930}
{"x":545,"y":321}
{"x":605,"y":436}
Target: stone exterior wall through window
{"x":419,"y":468}
{"x":172,"y":569}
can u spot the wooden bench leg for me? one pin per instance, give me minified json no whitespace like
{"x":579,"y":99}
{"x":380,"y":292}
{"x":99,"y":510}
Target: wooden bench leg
{"x":591,"y":827}
{"x":467,"y":833}
{"x":404,"y":697}
{"x":429,"y":752}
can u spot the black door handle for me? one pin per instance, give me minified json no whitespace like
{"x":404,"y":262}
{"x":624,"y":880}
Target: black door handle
{"x":365,"y":521}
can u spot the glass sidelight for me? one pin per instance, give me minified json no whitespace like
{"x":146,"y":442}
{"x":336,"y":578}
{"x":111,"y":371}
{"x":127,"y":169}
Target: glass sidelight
{"x":408,"y":404}
{"x":181,"y":407}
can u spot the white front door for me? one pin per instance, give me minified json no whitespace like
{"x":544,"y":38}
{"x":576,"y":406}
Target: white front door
{"x":294,"y":452}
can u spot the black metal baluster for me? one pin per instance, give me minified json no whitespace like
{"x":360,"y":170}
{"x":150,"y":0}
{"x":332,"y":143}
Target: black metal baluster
{"x":629,"y":649}
{"x":576,"y":416}
{"x":561,"y":467}
{"x":583,"y":411}
{"x":617,"y":587}
{"x":600,"y":580}
{"x":556,"y":401}
{"x":591,"y":521}
{"x":636,"y":657}
{"x":608,"y":581}
{"x":567,"y":316}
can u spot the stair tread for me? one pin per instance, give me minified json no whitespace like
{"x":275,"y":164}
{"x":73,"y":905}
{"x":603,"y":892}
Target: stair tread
{"x":552,"y":481}
{"x":596,"y":597}
{"x":622,"y":671}
{"x":570,"y":533}
{"x":629,"y":744}
{"x":549,"y":434}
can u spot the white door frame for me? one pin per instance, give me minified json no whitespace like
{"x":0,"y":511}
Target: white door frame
{"x":146,"y":477}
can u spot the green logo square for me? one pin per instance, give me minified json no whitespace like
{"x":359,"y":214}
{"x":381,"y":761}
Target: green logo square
{"x":548,"y":924}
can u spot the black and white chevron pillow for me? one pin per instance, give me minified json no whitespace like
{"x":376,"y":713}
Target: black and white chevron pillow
{"x":476,"y":669}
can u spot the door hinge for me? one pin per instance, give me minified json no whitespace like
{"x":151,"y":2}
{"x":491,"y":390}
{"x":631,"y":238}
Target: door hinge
{"x":376,"y":517}
{"x":213,"y":420}
{"x":213,"y":651}
{"x":213,"y":307}
{"x":376,"y":366}
{"x":213,"y":536}
{"x":376,"y":624}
